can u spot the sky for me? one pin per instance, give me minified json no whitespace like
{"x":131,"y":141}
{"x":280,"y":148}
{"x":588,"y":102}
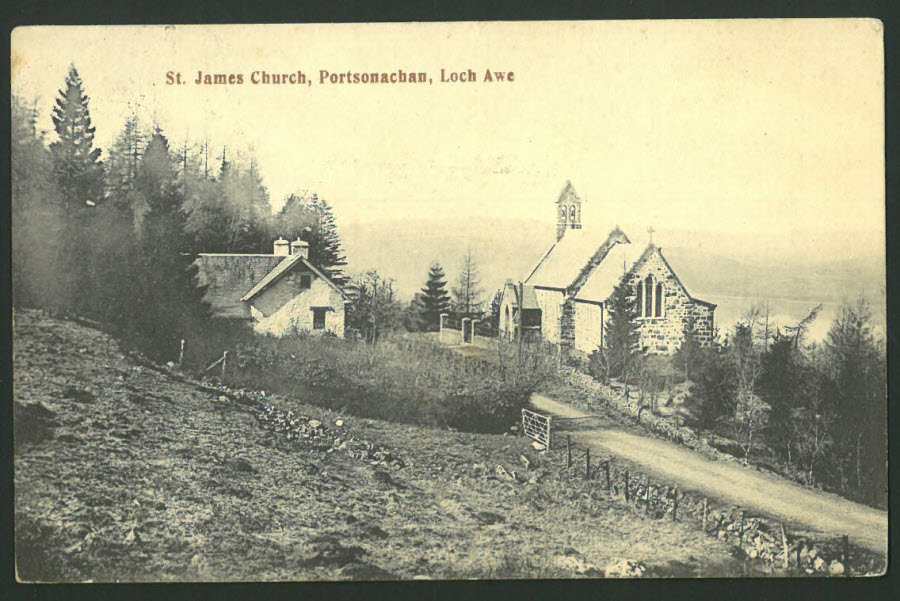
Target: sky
{"x":750,"y":138}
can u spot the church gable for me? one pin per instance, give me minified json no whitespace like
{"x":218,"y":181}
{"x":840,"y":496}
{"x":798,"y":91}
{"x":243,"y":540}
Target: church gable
{"x":665,"y":305}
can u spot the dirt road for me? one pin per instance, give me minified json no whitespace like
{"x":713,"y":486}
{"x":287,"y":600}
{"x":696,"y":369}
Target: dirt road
{"x":731,"y":483}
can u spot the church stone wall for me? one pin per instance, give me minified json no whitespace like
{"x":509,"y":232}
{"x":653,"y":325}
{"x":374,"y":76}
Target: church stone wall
{"x":663,"y":335}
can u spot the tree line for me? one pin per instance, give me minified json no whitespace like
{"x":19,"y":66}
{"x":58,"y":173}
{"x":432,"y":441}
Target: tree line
{"x":817,"y":410}
{"x":112,"y":234}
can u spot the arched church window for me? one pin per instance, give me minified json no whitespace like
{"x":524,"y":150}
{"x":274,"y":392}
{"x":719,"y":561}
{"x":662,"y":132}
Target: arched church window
{"x":658,"y":301}
{"x":572,"y":213}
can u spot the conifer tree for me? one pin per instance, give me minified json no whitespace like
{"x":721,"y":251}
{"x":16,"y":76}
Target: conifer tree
{"x":76,"y":161}
{"x":169,"y":303}
{"x":79,"y":179}
{"x":621,"y":334}
{"x":312,"y":219}
{"x":434,"y":298}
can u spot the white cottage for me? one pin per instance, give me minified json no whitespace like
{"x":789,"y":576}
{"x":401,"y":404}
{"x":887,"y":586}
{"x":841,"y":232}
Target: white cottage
{"x":278,"y":294}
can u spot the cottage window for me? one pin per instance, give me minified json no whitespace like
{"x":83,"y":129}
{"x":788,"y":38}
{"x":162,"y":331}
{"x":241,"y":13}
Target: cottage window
{"x":305,"y":281}
{"x":319,"y":318}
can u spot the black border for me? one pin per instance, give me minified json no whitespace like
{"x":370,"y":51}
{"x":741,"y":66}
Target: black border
{"x":81,"y":12}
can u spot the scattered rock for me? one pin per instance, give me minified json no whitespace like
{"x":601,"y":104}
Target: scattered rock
{"x":223,"y":399}
{"x":339,"y":423}
{"x":77,"y":394}
{"x":574,"y":561}
{"x":835,"y":568}
{"x":525,"y":461}
{"x":538,"y":446}
{"x":625,"y":568}
{"x":819,"y":564}
{"x":365,"y":571}
{"x":314,"y":423}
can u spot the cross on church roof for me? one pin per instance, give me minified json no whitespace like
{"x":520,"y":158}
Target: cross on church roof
{"x":650,"y":231}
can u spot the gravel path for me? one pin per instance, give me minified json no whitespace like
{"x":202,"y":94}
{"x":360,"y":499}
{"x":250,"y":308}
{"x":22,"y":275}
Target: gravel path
{"x":731,"y":483}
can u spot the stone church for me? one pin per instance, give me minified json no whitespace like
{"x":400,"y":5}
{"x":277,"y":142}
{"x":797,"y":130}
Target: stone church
{"x":564,"y":299}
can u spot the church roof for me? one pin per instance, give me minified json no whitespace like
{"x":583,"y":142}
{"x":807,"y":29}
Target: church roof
{"x":608,"y":274}
{"x":565,"y":260}
{"x":530,"y":298}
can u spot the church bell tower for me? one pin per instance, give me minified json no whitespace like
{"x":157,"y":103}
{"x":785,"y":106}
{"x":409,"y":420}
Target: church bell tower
{"x":568,"y":211}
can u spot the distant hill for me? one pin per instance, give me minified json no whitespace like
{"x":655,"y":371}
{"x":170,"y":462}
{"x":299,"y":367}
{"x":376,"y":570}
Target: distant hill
{"x":403,"y":249}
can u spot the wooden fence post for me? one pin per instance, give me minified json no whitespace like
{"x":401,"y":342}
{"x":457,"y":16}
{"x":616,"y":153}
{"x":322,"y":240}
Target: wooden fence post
{"x":798,"y":557}
{"x":627,"y":494}
{"x":549,"y":434}
{"x":741,"y":532}
{"x":675,"y":506}
{"x":647,"y":494}
{"x":568,"y":451}
{"x":606,"y":469}
{"x":181,"y":354}
{"x":224,"y":361}
{"x":587,"y":464}
{"x":845,"y":554}
{"x":705,"y":509}
{"x":787,"y":552}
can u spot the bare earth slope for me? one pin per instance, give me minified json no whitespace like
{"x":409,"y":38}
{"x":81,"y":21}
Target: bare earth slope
{"x":123,"y":473}
{"x":766,"y":494}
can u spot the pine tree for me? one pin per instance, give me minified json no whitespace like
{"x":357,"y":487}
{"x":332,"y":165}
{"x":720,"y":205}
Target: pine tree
{"x":468,"y":292}
{"x":434,"y":299}
{"x":77,"y":162}
{"x":312,"y":219}
{"x":621,"y":333}
{"x":122,"y":162}
{"x":686,"y":355}
{"x":79,"y":179}
{"x":169,"y":302}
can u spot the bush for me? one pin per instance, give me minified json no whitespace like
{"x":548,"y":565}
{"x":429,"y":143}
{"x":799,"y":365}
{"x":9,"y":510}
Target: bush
{"x":400,"y":379}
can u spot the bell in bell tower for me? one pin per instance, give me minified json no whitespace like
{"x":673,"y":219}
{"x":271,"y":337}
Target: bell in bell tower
{"x":568,"y":211}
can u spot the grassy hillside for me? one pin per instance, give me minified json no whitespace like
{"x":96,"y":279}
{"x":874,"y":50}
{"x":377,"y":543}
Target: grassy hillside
{"x":125,"y":473}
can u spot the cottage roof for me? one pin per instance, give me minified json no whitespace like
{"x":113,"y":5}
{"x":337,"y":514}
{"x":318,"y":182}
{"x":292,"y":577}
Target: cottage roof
{"x":228,"y":276}
{"x":283,"y":268}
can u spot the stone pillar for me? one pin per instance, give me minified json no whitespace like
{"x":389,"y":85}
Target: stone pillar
{"x":462,"y":330}
{"x":474,"y":321}
{"x":443,"y":319}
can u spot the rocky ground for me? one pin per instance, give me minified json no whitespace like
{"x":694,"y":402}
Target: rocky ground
{"x":126,"y":473}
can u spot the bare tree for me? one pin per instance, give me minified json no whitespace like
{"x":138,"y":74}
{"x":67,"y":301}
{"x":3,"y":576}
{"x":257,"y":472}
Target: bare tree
{"x":468,"y":292}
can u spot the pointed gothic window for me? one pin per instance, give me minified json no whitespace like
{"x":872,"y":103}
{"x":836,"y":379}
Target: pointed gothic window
{"x":572,"y":213}
{"x":648,"y":297}
{"x":658,"y":301}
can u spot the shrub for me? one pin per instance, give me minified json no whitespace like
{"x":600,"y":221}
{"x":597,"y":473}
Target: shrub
{"x":400,"y":379}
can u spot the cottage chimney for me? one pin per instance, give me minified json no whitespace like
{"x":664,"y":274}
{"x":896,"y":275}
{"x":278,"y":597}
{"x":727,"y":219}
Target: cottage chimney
{"x":282,"y":248}
{"x":300,"y":247}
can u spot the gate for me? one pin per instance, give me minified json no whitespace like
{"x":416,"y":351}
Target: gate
{"x":536,"y":426}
